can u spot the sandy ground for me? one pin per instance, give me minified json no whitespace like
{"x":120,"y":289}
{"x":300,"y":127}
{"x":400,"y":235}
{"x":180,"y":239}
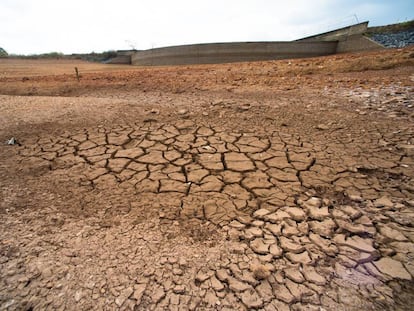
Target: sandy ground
{"x":285,"y":185}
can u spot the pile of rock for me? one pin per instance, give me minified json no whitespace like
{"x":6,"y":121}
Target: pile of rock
{"x":395,"y":40}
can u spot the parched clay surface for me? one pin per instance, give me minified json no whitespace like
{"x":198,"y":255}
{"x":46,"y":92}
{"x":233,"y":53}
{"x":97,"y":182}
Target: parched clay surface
{"x":253,"y":198}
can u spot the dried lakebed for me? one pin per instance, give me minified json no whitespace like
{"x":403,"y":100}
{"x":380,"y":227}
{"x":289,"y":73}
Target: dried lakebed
{"x":199,"y":217}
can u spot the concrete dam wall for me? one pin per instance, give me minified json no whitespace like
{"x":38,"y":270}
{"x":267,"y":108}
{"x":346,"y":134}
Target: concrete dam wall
{"x":231,"y":52}
{"x":350,"y":39}
{"x":346,"y":39}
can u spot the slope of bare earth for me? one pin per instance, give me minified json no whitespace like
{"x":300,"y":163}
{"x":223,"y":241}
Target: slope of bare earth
{"x":283,"y":185}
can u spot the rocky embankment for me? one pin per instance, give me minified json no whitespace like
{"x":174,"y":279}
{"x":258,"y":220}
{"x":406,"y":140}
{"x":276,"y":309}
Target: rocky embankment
{"x":395,"y":40}
{"x":393,"y":36}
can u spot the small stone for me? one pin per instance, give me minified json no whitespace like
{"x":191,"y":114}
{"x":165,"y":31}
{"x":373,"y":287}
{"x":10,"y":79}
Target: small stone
{"x":260,"y":272}
{"x":355,"y":198}
{"x":244,"y":107}
{"x":155,"y":111}
{"x":383,"y":202}
{"x":11,"y":141}
{"x":392,"y":268}
{"x":313,"y":202}
{"x":182,"y":111}
{"x":179,"y":289}
{"x":322,"y":127}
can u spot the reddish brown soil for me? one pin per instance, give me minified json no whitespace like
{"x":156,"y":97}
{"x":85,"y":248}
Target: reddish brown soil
{"x":283,"y":185}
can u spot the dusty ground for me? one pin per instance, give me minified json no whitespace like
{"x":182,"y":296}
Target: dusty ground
{"x":283,"y":185}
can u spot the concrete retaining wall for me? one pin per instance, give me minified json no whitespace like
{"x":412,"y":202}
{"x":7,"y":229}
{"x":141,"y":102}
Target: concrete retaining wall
{"x":231,"y":52}
{"x":120,"y":59}
{"x":358,"y":43}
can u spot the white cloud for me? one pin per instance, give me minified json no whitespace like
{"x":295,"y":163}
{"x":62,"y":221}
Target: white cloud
{"x":35,"y":26}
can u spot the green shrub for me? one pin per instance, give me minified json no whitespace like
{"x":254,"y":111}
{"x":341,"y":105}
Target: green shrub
{"x":3,"y":53}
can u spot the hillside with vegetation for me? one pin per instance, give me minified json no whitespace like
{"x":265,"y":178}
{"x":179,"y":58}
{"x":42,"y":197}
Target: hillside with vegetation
{"x":3,"y":52}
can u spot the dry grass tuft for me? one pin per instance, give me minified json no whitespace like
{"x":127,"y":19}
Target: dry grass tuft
{"x":260,"y":271}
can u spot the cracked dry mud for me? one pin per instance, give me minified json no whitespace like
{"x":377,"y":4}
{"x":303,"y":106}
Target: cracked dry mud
{"x":207,"y":200}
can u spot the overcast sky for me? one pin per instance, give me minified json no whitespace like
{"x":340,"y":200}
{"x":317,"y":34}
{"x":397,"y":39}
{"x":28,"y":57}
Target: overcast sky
{"x":81,"y":26}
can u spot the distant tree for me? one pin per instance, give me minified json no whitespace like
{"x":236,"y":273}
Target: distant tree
{"x":108,"y":55}
{"x":3,"y":52}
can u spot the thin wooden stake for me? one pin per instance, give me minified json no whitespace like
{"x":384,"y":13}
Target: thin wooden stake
{"x":77,"y":74}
